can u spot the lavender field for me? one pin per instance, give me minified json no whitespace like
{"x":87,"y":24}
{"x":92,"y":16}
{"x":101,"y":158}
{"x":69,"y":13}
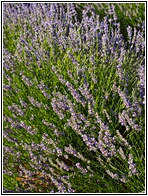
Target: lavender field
{"x":73,"y":98}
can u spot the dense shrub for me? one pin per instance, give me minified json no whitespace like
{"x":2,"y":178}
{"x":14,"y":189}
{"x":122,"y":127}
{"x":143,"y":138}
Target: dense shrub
{"x":73,"y":100}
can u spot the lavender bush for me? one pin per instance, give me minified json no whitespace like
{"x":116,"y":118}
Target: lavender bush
{"x":132,"y":14}
{"x":73,"y":101}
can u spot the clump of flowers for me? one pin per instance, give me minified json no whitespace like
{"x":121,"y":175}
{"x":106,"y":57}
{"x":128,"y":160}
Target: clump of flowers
{"x":74,"y":101}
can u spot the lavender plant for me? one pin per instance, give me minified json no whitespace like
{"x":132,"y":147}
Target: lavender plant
{"x":73,"y":101}
{"x":127,"y":13}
